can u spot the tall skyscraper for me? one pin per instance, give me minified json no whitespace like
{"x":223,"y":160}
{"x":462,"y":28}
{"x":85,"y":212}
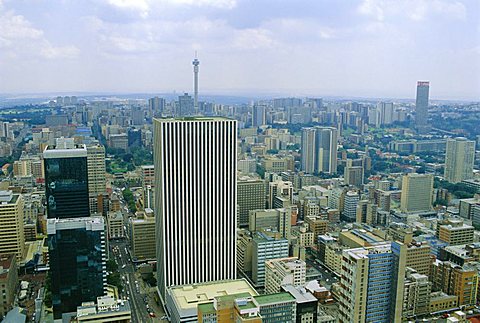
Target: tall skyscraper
{"x":259,"y":117}
{"x":195,"y":64}
{"x":195,"y":200}
{"x":76,"y":241}
{"x":76,"y":248}
{"x":308,"y":150}
{"x":417,"y":192}
{"x":459,"y":159}
{"x":421,"y":107}
{"x":319,"y":148}
{"x":66,"y":182}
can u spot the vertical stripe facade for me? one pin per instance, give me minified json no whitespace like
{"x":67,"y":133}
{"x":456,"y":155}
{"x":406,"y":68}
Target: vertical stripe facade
{"x":195,"y":180}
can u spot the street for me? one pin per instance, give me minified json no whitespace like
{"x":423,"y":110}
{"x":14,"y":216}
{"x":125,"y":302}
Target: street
{"x":135,"y":290}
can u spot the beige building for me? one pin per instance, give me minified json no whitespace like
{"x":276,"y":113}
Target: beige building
{"x":459,"y":159}
{"x":8,"y":282}
{"x":278,"y":220}
{"x":12,"y":235}
{"x":115,"y":225}
{"x":440,"y":301}
{"x":419,"y":258}
{"x":96,"y":169}
{"x":251,"y":195}
{"x":317,"y":225}
{"x":284,"y":271}
{"x":461,"y":281}
{"x":455,"y":232}
{"x":417,"y":190}
{"x":142,"y":236}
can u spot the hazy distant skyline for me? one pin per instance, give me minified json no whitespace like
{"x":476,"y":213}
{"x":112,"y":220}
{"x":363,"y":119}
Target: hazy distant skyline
{"x":327,"y":48}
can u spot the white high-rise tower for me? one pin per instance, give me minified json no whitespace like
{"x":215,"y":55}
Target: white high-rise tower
{"x":195,"y":200}
{"x":195,"y":63}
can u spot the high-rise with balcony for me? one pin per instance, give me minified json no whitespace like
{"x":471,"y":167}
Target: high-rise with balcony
{"x":195,"y":200}
{"x":459,"y":159}
{"x":371,"y":284}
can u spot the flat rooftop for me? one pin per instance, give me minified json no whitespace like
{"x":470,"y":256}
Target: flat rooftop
{"x":274,"y":298}
{"x":192,"y":119}
{"x":188,"y":297}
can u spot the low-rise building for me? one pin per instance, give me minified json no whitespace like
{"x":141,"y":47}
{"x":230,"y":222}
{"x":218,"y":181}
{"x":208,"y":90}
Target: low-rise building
{"x":284,"y":271}
{"x":182,"y":301}
{"x":106,"y":309}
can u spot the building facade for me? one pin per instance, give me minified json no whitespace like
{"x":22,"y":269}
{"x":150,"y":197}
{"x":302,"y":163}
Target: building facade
{"x":196,"y":200}
{"x":459,"y":159}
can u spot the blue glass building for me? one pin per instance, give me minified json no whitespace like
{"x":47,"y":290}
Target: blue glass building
{"x":77,"y":262}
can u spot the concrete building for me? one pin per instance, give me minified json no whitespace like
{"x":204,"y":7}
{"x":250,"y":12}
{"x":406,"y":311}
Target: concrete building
{"x":182,"y":301}
{"x":8,"y":282}
{"x":96,"y":169}
{"x":316,"y":224}
{"x":416,"y":294}
{"x":459,"y":159}
{"x":279,"y":307}
{"x":417,"y":192}
{"x":200,"y":210}
{"x":350,"y":206}
{"x":461,"y":281}
{"x":419,"y":257}
{"x":265,"y":247}
{"x":276,"y":220}
{"x":306,"y":304}
{"x":353,"y":175}
{"x":277,"y":191}
{"x":371,"y":285}
{"x":284,"y":271}
{"x":142,"y":235}
{"x":319,"y":148}
{"x":230,"y":308}
{"x":12,"y":233}
{"x":454,"y":232}
{"x":105,"y":309}
{"x":115,"y":225}
{"x":251,"y":195}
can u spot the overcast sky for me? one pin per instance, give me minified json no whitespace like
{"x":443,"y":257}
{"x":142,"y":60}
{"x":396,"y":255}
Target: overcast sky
{"x":362,"y":48}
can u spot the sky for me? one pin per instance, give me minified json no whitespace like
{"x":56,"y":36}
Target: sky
{"x":363,"y":48}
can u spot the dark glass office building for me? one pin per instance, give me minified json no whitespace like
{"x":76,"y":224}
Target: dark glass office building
{"x":77,"y":262}
{"x":66,"y":183}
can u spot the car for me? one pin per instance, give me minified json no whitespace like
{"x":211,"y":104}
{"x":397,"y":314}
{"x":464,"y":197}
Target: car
{"x":123,"y":267}
{"x":151,"y":314}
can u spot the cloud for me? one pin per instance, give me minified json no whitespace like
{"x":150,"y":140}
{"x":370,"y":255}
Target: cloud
{"x":145,"y":6}
{"x":18,"y":37}
{"x":415,"y":10}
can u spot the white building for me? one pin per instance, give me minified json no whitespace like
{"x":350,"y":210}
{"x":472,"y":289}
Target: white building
{"x":195,"y":200}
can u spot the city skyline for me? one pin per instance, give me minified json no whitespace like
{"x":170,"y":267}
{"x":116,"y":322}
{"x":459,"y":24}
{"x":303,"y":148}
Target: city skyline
{"x":362,"y":49}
